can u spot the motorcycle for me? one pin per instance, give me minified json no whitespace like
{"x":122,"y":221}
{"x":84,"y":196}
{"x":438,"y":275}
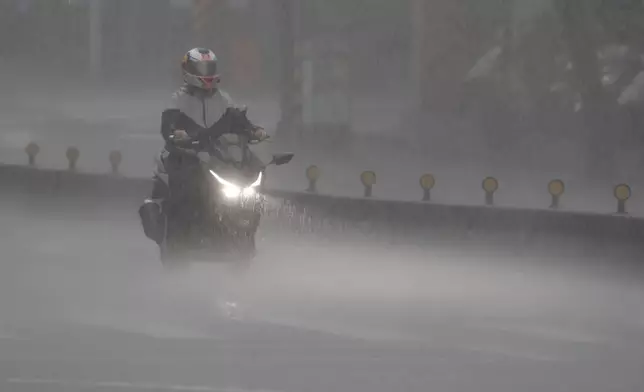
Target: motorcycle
{"x":217,"y":206}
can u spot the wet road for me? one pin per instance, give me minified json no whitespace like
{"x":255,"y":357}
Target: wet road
{"x":84,"y":306}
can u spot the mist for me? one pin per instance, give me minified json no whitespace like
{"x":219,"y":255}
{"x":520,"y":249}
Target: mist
{"x":526,"y":91}
{"x":502,"y":97}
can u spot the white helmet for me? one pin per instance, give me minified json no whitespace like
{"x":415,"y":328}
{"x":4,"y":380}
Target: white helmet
{"x":199,"y":68}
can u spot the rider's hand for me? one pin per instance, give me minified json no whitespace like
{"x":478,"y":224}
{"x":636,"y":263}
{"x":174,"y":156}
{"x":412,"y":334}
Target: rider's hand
{"x":259,"y":134}
{"x":180,"y":134}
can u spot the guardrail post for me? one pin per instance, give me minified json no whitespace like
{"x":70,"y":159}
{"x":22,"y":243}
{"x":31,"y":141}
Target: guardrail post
{"x":72,"y":157}
{"x":556,"y":188}
{"x":368,"y":179}
{"x":115,"y":161}
{"x":427,"y":182}
{"x":32,"y":150}
{"x":490,"y":185}
{"x":622,"y":193}
{"x":312,"y":174}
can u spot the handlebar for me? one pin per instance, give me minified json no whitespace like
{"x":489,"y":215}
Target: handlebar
{"x":184,"y":143}
{"x":196,"y":142}
{"x":255,"y":142}
{"x":188,"y":146}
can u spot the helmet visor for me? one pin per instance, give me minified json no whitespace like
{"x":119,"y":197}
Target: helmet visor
{"x":204,"y":69}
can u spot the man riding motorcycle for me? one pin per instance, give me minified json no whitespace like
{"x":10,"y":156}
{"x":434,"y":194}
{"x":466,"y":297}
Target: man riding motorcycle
{"x":200,"y":103}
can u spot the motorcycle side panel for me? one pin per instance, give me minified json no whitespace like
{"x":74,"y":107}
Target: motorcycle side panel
{"x":152,"y":221}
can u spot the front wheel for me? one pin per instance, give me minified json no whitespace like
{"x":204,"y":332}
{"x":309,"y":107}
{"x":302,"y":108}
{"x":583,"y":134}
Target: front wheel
{"x":243,"y":247}
{"x":170,"y":258}
{"x":169,"y":251}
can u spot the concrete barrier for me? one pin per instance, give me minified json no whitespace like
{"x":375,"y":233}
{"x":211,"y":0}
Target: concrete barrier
{"x":311,"y":212}
{"x":59,"y":183}
{"x":460,"y":222}
{"x":427,"y":183}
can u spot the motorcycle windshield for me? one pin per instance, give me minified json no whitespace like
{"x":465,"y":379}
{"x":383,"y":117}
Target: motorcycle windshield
{"x":232,"y":159}
{"x":232,"y":150}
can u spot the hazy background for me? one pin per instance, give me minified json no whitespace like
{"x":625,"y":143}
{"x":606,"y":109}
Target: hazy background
{"x":526,"y":90}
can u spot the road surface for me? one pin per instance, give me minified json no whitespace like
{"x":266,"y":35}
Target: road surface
{"x":85,"y":306}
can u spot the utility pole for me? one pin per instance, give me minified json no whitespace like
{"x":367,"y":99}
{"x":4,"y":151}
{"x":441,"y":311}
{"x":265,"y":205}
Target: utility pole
{"x":418,"y":58}
{"x":203,"y":12}
{"x":291,"y":68}
{"x":95,"y":39}
{"x":445,"y":57}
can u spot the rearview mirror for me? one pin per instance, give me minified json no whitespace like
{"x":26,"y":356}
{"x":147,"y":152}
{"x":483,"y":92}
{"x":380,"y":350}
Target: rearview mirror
{"x":282,"y":159}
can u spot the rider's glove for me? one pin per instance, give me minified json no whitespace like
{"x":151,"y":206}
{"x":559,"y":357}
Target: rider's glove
{"x":180,"y":134}
{"x":259,"y":134}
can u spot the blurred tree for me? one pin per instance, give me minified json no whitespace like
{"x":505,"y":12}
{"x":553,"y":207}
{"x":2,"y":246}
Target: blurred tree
{"x":622,"y":20}
{"x":585,"y":53}
{"x":590,"y":28}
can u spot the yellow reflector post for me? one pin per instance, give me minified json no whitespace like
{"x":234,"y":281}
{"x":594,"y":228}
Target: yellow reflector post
{"x":368,"y":179}
{"x":556,"y":188}
{"x":312,"y":174}
{"x":427,"y":182}
{"x":490,"y":185}
{"x":32,"y":150}
{"x":115,"y":160}
{"x":622,"y":193}
{"x":72,"y":156}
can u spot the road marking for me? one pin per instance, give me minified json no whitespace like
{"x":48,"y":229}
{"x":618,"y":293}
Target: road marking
{"x":129,"y":385}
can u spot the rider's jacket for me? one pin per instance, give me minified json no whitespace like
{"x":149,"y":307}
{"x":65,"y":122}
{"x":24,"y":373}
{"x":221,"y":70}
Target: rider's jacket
{"x":190,"y":106}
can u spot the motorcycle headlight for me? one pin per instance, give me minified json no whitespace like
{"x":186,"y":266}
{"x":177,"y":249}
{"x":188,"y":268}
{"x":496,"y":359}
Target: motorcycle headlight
{"x":232,"y":191}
